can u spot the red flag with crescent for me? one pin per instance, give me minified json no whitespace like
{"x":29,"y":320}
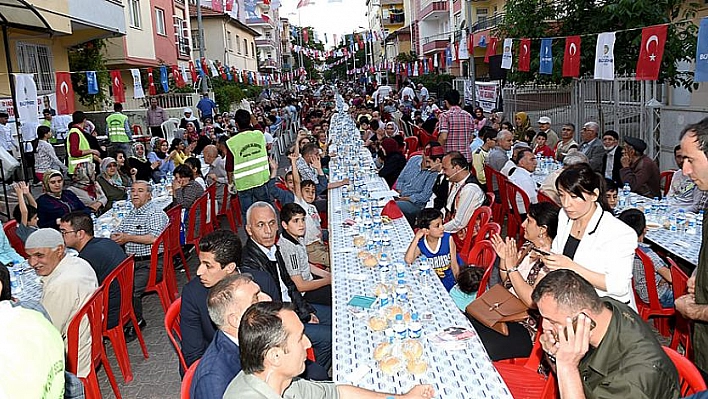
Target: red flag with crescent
{"x":442,"y":59}
{"x":117,"y":87}
{"x":205,"y":67}
{"x":525,"y":55}
{"x":491,"y":49}
{"x":65,"y":93}
{"x":177,"y":76}
{"x":192,"y":71}
{"x":571,"y":57}
{"x":651,"y":52}
{"x":152,"y":90}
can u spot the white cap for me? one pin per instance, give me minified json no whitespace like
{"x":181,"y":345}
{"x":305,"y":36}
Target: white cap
{"x":268,"y":138}
{"x":544,"y":119}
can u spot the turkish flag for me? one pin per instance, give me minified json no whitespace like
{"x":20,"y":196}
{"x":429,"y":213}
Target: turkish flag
{"x":192,"y":71}
{"x":651,"y":52}
{"x":525,"y":55}
{"x":117,"y":87}
{"x":229,"y":5}
{"x":305,"y":36}
{"x":431,"y":68}
{"x":470,"y":45}
{"x":442,"y":59}
{"x":65,"y":93}
{"x":217,"y":5}
{"x":152,"y":90}
{"x":177,"y":76}
{"x":571,"y":57}
{"x":491,"y":49}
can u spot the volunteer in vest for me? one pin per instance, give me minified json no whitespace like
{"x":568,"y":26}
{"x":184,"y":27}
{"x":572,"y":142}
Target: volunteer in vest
{"x":464,"y":198}
{"x":118,"y":130}
{"x":247,"y":163}
{"x":78,"y":150}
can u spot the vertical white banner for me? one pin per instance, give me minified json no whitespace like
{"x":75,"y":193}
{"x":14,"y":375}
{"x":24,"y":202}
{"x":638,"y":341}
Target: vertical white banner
{"x":605,"y":56}
{"x":138,"y":91}
{"x":506,"y":55}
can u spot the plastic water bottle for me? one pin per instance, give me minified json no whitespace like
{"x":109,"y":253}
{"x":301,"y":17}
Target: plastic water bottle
{"x":626,"y":190}
{"x":401,"y":292}
{"x":15,"y":279}
{"x":648,"y":212}
{"x":691,"y":225}
{"x":400,"y":270}
{"x":399,"y":328}
{"x":386,"y":238}
{"x":699,"y":219}
{"x":384,"y":268}
{"x":672,"y":223}
{"x":424,"y":271}
{"x":681,"y":221}
{"x":415,"y":329}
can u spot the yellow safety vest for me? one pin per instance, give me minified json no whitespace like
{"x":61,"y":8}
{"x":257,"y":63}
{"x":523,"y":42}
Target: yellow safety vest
{"x":115,"y":123}
{"x":83,"y":145}
{"x":251,"y":167}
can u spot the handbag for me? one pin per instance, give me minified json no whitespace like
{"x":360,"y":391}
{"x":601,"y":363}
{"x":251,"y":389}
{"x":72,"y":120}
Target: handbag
{"x":496,"y":307}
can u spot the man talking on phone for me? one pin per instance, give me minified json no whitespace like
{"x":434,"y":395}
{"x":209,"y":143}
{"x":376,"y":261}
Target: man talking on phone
{"x":601,"y":348}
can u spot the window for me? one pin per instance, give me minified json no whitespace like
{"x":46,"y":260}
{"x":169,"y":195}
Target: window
{"x":245,"y":46}
{"x":229,"y":44}
{"x":37,"y":59}
{"x":134,"y":9}
{"x":181,"y":36}
{"x":195,"y":40}
{"x":238,"y":44}
{"x":253,"y":49}
{"x":160,"y":21}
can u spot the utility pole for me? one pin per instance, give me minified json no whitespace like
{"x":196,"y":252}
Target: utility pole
{"x":202,"y":49}
{"x":470,"y":38}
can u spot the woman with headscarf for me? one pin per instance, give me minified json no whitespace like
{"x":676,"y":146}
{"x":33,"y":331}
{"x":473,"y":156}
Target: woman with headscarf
{"x":113,"y":183}
{"x":189,"y":117}
{"x":393,"y":160}
{"x":391,"y":129}
{"x":521,"y":120}
{"x":165,"y":165}
{"x":83,"y":184}
{"x":139,"y":162}
{"x":56,"y":202}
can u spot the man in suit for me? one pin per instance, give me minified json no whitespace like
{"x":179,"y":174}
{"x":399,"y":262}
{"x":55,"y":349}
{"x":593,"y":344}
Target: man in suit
{"x":261,"y":254}
{"x":592,"y":146}
{"x":611,"y":161}
{"x":219,"y":257}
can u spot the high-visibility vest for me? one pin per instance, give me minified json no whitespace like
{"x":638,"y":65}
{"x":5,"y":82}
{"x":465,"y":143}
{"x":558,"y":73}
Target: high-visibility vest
{"x":251,"y":167}
{"x":115,"y":123}
{"x":83,"y":145}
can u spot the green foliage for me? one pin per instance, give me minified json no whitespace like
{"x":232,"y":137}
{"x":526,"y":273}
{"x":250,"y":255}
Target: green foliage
{"x":433,"y":80}
{"x":308,"y":63}
{"x":229,"y":92}
{"x":88,"y":56}
{"x":340,"y":71}
{"x":541,"y":18}
{"x":406,"y":57}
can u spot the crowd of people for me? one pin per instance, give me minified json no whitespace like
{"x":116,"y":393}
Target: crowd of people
{"x":255,"y":308}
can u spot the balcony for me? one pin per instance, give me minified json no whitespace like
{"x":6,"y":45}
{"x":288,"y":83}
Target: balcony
{"x":434,"y":46}
{"x":394,"y":17}
{"x":265,"y":42}
{"x":92,"y":19}
{"x":269,"y":64}
{"x":391,"y":2}
{"x":433,"y":9}
{"x":488,"y":23}
{"x":253,"y":21}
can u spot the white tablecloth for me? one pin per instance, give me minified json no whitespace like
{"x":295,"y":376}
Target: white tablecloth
{"x":31,"y":287}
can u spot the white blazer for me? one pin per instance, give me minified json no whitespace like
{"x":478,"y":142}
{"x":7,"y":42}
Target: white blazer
{"x":607,"y":247}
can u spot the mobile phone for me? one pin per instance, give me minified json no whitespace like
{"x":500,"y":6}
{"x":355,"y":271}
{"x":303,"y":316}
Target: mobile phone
{"x":575,"y":323}
{"x":540,"y":251}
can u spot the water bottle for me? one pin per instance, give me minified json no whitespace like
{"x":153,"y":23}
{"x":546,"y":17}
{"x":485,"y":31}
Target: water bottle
{"x":415,"y":329}
{"x":399,"y":328}
{"x":681,"y":221}
{"x":384,"y":268}
{"x":626,"y":190}
{"x":691,"y":225}
{"x":699,"y":219}
{"x":386,"y":238}
{"x":672,"y":223}
{"x":15,"y":279}
{"x":400,"y":270}
{"x":424,"y":271}
{"x":648,"y":212}
{"x":401,"y":292}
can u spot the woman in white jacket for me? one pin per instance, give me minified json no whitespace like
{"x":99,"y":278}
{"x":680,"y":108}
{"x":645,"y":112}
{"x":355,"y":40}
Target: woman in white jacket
{"x":590,"y":240}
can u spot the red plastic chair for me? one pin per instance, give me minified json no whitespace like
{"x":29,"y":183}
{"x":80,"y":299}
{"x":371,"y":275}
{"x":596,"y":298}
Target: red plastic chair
{"x":501,"y":204}
{"x":482,"y":254}
{"x":123,"y":276}
{"x":234,"y":214}
{"x":522,"y":377}
{"x":187,"y":380}
{"x":174,"y":332}
{"x":175,"y":215}
{"x":92,"y":311}
{"x":653,"y":308}
{"x":213,"y":220}
{"x":480,"y":217}
{"x":411,"y":144}
{"x":682,"y":328}
{"x":544,"y":198}
{"x":666,"y":176}
{"x":197,"y":225}
{"x":14,"y":240}
{"x":690,"y":379}
{"x":484,"y":282}
{"x":412,"y":154}
{"x":163,"y":288}
{"x":513,"y":225}
{"x":487,"y":231}
{"x":223,"y":209}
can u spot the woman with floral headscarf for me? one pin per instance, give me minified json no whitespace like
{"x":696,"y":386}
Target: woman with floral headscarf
{"x":114,"y":184}
{"x":83,"y":184}
{"x":141,"y":164}
{"x":521,"y":120}
{"x":56,"y":202}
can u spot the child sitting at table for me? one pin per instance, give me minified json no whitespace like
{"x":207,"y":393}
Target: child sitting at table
{"x":465,"y":291}
{"x":634,"y":218}
{"x":434,"y":243}
{"x":312,"y":282}
{"x":24,"y":213}
{"x":305,"y":195}
{"x":611,"y":194}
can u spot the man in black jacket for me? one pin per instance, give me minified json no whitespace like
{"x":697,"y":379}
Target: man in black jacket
{"x":261,"y":254}
{"x":611,"y":162}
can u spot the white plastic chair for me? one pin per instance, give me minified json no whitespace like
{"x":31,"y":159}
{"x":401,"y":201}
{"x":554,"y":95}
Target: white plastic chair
{"x":168,"y":128}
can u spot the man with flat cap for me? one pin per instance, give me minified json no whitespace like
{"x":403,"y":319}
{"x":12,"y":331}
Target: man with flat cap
{"x":67,"y":282}
{"x":638,"y":169}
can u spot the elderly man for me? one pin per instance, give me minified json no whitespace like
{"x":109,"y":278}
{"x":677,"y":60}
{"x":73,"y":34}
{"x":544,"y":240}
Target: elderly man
{"x":466,"y":195}
{"x":415,"y":184}
{"x":217,"y":171}
{"x":683,"y":192}
{"x":273,"y":346}
{"x":521,"y":176}
{"x":567,"y":142}
{"x":592,"y":146}
{"x":544,"y":125}
{"x":455,"y":126}
{"x":498,"y":155}
{"x":479,"y":157}
{"x":102,"y":254}
{"x":261,"y":254}
{"x":67,"y":283}
{"x":626,"y":357}
{"x":155,"y":117}
{"x":611,"y":161}
{"x":219,"y":257}
{"x":136,"y":232}
{"x":638,"y":170}
{"x":423,"y":93}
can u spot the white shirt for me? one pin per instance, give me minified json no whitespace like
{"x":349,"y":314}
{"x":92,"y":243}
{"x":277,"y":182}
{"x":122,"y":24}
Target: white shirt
{"x":522,"y":178}
{"x":610,"y":163}
{"x":270,"y":253}
{"x":8,"y":142}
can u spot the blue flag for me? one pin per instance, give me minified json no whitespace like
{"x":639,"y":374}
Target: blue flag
{"x":163,"y":79}
{"x":701,"y":74}
{"x":228,"y":72}
{"x":448,"y":56}
{"x":91,"y":82}
{"x":546,"y":67}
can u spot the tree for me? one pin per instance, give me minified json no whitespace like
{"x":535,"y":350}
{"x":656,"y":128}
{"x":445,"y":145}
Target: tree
{"x":88,"y":56}
{"x":560,"y":18}
{"x":340,"y":71}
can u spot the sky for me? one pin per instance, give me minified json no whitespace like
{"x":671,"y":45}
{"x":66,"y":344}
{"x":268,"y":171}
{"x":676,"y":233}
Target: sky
{"x":331,"y":18}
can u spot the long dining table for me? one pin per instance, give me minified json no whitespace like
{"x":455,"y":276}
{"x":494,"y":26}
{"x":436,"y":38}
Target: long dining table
{"x":465,"y":371}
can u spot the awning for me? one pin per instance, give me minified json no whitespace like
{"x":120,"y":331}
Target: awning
{"x":22,"y":15}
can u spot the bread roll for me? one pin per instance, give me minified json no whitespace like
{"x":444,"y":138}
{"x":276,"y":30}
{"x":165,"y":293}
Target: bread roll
{"x":390,"y":365}
{"x":417,"y":366}
{"x":392,"y":311}
{"x":370,"y":261}
{"x":382,"y":350}
{"x":412,"y":349}
{"x":378,"y":323}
